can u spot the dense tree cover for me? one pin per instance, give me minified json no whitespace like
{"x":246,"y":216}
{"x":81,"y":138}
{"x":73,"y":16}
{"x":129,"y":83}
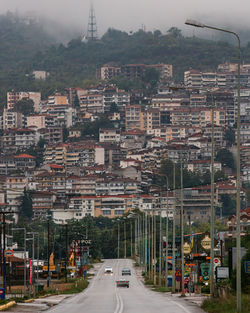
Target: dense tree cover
{"x":190,"y":179}
{"x":26,"y":47}
{"x":226,"y":158}
{"x":24,"y":106}
{"x":26,"y":210}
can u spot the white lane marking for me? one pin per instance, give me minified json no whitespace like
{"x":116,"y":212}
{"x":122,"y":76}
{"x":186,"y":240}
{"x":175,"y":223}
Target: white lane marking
{"x":117,"y":302}
{"x":181,"y":306}
{"x":121,"y":305}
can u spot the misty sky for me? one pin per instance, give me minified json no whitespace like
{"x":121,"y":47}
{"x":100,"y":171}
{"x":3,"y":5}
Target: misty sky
{"x":130,"y":15}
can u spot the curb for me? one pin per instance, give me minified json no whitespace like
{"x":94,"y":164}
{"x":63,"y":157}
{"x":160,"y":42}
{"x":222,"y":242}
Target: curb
{"x":29,"y":300}
{"x":7,"y":305}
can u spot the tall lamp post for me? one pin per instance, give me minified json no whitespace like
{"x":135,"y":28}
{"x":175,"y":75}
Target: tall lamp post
{"x":238,"y":264}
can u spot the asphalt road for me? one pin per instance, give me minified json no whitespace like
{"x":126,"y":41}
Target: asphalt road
{"x":102,"y":296}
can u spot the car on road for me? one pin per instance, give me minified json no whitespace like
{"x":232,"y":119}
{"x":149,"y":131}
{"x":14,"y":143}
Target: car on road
{"x":108,"y":270}
{"x":122,"y":282}
{"x":126,"y":271}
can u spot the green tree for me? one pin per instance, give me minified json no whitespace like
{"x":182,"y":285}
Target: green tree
{"x":230,"y":137}
{"x":26,"y":210}
{"x":24,"y":106}
{"x":226,"y":158}
{"x":228,"y":205}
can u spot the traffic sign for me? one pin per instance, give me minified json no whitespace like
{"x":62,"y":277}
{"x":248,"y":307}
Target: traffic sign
{"x":178,"y":275}
{"x":8,"y":253}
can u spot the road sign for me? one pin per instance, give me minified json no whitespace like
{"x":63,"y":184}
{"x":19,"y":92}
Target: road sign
{"x":247,"y":267}
{"x":178,"y":275}
{"x":222,"y":272}
{"x":8,"y":253}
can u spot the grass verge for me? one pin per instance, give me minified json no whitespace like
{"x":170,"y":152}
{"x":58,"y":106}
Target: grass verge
{"x":227,"y":305}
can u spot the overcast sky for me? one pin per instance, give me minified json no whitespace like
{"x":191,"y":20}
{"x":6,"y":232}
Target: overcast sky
{"x":130,"y":15}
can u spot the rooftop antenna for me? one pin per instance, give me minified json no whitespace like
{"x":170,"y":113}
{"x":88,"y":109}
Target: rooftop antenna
{"x":92,"y":28}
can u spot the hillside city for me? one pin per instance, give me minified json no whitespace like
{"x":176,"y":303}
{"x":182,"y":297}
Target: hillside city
{"x":100,"y":151}
{"x":119,"y":158}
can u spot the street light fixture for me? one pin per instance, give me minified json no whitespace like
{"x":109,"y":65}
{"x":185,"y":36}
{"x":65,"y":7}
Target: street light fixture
{"x":238,"y":264}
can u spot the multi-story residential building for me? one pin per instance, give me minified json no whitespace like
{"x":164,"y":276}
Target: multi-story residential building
{"x":25,"y":162}
{"x":21,"y":138}
{"x":13,"y":97}
{"x":7,"y":164}
{"x":58,"y":99}
{"x":134,"y":117}
{"x":92,"y":101}
{"x":15,"y":185}
{"x":51,"y":135}
{"x":42,"y":203}
{"x":109,"y":71}
{"x":109,"y":135}
{"x":203,"y":166}
{"x":12,"y":119}
{"x":80,"y":154}
{"x":63,"y":115}
{"x":40,"y":121}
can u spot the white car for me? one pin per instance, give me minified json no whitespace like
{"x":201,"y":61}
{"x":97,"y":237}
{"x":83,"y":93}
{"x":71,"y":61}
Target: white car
{"x":108,"y":270}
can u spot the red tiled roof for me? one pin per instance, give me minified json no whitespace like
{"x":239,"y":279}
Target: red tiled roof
{"x":55,"y":166}
{"x":26,"y":156}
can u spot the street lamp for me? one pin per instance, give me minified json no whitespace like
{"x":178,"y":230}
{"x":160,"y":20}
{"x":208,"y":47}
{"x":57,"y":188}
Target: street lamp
{"x":238,"y":265}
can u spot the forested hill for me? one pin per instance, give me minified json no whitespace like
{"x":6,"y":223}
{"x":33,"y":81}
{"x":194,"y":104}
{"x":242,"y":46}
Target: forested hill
{"x":25,"y":46}
{"x":20,"y":40}
{"x":141,"y":47}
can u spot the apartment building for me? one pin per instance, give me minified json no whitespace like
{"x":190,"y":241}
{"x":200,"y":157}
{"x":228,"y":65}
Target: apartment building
{"x":40,"y":121}
{"x":13,"y":97}
{"x":109,"y":135}
{"x":203,"y":166}
{"x":42,"y":203}
{"x":25,"y":161}
{"x":12,"y":119}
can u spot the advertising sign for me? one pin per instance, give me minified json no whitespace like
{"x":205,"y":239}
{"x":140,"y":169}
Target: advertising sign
{"x":222,"y":272}
{"x":205,"y":270}
{"x":206,"y":243}
{"x":31,"y":272}
{"x":186,"y":248}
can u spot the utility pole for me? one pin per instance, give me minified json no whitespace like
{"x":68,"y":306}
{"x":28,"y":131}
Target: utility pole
{"x":166,"y":269}
{"x":131,"y":238}
{"x":160,"y":244}
{"x":173,"y":244}
{"x":118,"y":237}
{"x":4,"y":248}
{"x":125,"y":246}
{"x":182,"y":236}
{"x":146,"y":242}
{"x":48,"y":253}
{"x":212,"y":209}
{"x":155,"y":248}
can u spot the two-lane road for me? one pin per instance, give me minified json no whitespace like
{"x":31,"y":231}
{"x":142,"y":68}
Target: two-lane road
{"x":102,"y":296}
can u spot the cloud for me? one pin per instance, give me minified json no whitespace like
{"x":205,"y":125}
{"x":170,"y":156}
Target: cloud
{"x":132,"y":14}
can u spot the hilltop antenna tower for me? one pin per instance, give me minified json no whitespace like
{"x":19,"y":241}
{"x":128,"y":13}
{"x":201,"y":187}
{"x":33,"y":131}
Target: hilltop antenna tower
{"x":92,"y":28}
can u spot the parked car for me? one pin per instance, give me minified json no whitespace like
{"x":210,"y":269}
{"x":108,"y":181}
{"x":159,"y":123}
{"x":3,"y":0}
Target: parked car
{"x":108,"y":270}
{"x":122,"y":282}
{"x":126,"y":271}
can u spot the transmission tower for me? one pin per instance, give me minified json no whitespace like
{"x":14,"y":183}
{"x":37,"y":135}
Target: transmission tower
{"x":92,"y":28}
